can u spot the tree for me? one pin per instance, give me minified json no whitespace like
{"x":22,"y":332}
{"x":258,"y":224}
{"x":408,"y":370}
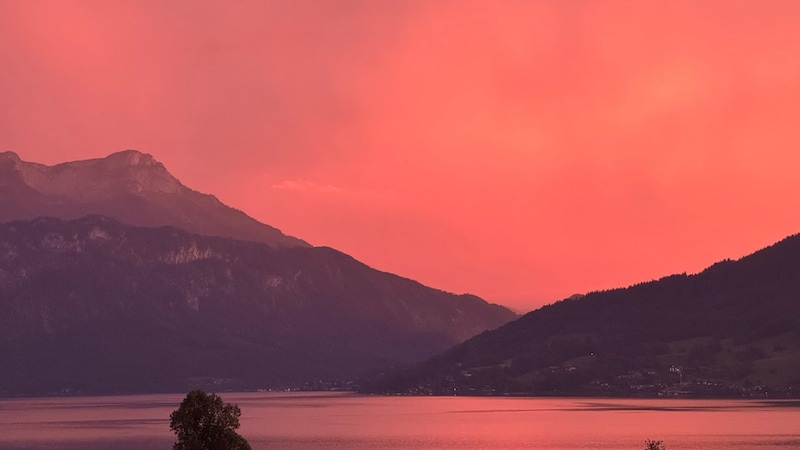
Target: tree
{"x":203,"y":422}
{"x":654,"y":445}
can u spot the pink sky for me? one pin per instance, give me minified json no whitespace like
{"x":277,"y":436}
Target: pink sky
{"x":521,"y":150}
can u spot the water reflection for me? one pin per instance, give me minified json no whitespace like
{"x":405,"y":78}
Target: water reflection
{"x":336,"y":420}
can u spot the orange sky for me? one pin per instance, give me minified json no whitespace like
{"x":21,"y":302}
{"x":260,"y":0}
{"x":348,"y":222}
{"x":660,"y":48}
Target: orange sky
{"x":519,"y":150}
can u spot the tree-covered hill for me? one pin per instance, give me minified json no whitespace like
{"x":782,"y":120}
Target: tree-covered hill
{"x":733,"y":329}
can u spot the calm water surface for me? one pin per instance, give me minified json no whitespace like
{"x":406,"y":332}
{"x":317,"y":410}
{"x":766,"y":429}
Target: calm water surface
{"x":348,"y":421}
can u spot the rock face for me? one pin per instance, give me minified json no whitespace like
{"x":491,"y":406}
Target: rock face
{"x":130,"y":186}
{"x":93,"y":305}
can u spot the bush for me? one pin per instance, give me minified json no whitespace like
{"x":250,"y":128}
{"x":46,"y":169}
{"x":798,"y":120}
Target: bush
{"x":203,"y":422}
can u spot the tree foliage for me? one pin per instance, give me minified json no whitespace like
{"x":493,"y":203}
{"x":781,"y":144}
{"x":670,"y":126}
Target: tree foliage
{"x":204,"y":422}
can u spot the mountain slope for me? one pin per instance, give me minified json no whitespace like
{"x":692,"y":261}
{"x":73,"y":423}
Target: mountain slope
{"x":730,"y":330}
{"x":130,"y":186}
{"x":93,"y":305}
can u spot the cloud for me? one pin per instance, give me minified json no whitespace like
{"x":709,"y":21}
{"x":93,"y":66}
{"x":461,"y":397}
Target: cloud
{"x":329,"y":190}
{"x":307,"y":186}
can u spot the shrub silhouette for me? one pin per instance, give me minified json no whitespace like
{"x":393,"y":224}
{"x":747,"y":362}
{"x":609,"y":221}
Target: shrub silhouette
{"x":654,"y":445}
{"x":204,"y":422}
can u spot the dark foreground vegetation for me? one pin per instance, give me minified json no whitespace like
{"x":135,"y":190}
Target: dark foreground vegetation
{"x":204,"y":422}
{"x":731,"y":331}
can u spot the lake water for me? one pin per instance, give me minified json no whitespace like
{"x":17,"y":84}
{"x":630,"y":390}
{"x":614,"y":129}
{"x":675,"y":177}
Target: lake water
{"x":349,"y":421}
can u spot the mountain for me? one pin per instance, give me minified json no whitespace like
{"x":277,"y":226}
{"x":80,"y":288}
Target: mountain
{"x":93,"y":305}
{"x":130,"y":186}
{"x":731,"y":330}
{"x":115,"y":277}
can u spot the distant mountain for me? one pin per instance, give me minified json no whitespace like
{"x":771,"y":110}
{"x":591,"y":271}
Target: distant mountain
{"x":114,"y":276}
{"x":732,"y":330}
{"x":130,"y":186}
{"x":93,"y":305}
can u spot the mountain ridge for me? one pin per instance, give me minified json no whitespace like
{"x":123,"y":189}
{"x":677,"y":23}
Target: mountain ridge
{"x":129,"y":185}
{"x":86,"y":297}
{"x":115,"y":277}
{"x":730,"y":330}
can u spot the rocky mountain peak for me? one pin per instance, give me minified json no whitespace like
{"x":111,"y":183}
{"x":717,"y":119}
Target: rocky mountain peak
{"x":132,"y":158}
{"x":9,"y":155}
{"x":130,"y":186}
{"x":9,"y":161}
{"x":127,"y":171}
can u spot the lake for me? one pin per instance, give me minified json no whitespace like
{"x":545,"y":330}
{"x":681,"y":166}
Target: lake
{"x":351,"y":421}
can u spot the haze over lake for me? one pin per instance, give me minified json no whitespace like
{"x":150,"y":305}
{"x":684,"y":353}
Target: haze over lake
{"x":348,"y":421}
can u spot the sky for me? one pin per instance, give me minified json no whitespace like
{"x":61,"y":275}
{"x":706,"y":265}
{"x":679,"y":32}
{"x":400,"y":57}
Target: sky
{"x":519,"y":150}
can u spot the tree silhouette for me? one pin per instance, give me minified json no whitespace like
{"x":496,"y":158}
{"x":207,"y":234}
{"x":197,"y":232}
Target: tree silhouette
{"x":204,"y":422}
